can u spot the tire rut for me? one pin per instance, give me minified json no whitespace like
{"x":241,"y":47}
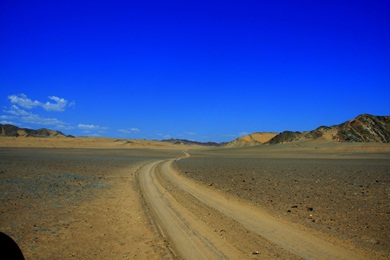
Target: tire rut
{"x":191,"y":238}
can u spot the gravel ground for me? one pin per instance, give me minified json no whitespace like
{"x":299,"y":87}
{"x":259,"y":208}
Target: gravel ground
{"x":64,"y":203}
{"x":346,"y":198}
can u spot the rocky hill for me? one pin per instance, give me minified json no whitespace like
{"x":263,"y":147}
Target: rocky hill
{"x":14,"y":131}
{"x":285,"y":137}
{"x":364,"y":128}
{"x":189,"y":142}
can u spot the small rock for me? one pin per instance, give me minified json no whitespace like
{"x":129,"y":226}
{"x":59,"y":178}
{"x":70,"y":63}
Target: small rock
{"x":309,"y":208}
{"x":288,"y":211}
{"x":370,"y":240}
{"x":255,"y":253}
{"x":294,"y":207}
{"x":374,"y":241}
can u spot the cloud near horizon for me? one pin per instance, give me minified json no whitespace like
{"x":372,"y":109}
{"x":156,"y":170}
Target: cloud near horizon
{"x":92,"y":130}
{"x":23,"y":101}
{"x":17,"y":112}
{"x":130,"y":131}
{"x":91,"y":127}
{"x":31,"y":118}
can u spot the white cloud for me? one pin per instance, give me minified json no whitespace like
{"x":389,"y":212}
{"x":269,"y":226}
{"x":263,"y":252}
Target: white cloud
{"x":38,"y":120}
{"x":6,"y":122}
{"x":23,"y":101}
{"x":15,"y":110}
{"x":164,"y":136}
{"x":3,"y":117}
{"x":129,"y":131}
{"x":91,"y":127}
{"x":65,"y":127}
{"x":59,"y":105}
{"x":18,"y":114}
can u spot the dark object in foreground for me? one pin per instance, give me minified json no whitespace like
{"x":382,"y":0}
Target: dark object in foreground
{"x":8,"y":248}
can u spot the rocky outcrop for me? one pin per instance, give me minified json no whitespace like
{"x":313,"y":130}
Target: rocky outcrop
{"x":364,"y":128}
{"x":286,"y":137}
{"x":9,"y":130}
{"x":318,"y":132}
{"x":189,"y":142}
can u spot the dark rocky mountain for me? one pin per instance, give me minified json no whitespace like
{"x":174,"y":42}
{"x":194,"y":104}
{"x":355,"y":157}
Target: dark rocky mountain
{"x":14,"y":131}
{"x":189,"y":142}
{"x":364,"y":128}
{"x":285,"y":137}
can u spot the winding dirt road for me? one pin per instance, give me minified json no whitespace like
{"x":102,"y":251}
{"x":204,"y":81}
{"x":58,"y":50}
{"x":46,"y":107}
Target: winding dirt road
{"x":192,"y":238}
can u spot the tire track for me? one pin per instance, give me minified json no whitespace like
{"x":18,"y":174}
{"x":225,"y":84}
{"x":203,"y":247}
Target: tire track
{"x":192,"y":239}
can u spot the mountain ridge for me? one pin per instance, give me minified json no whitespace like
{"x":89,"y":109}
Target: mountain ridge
{"x":190,"y":142}
{"x":363,"y":128}
{"x":14,"y":131}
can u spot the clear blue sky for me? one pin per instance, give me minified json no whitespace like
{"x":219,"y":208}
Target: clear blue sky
{"x":201,"y":70}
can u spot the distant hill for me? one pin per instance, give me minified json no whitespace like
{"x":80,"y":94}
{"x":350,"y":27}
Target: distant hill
{"x":364,"y":128}
{"x":11,"y":130}
{"x":188,"y":142}
{"x":253,"y":139}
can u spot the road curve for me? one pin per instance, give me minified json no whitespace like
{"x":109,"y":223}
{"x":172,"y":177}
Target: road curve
{"x":192,"y":239}
{"x":189,"y":237}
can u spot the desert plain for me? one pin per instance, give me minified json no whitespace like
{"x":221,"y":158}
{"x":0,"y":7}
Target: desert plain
{"x":89,"y":198}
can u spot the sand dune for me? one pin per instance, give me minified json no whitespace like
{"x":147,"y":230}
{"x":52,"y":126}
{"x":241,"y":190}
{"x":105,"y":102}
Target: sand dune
{"x":251,"y":139}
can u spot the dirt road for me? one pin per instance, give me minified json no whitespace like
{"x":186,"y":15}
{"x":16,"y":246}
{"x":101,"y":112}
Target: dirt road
{"x":193,"y":238}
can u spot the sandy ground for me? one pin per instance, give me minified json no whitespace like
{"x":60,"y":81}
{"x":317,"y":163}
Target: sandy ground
{"x":73,"y":202}
{"x":86,"y":142}
{"x":81,"y":203}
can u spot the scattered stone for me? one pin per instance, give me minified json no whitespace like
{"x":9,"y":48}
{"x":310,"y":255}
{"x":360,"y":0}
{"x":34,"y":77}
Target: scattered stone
{"x":294,"y":207}
{"x":309,"y":208}
{"x":374,"y":241}
{"x":256,"y":253}
{"x":370,"y":240}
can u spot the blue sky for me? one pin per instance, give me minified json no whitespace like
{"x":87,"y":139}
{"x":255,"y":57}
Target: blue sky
{"x":201,"y":70}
